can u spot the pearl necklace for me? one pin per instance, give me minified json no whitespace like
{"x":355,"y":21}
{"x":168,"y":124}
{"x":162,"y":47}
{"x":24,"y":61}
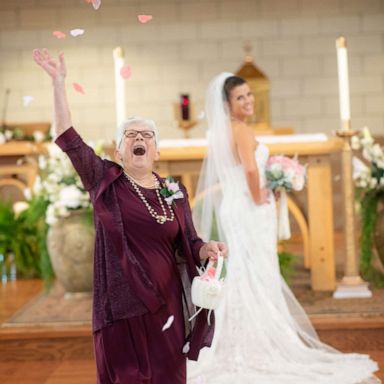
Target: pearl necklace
{"x":161,"y":219}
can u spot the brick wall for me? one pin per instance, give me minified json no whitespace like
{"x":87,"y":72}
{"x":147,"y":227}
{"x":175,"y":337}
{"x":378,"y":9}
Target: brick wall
{"x":186,"y":44}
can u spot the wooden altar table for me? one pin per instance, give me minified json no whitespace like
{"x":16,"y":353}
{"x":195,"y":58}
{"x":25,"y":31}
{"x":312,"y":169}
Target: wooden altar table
{"x":183,"y":158}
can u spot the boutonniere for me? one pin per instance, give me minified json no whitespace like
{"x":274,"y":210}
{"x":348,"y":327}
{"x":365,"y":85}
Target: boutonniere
{"x":171,"y":190}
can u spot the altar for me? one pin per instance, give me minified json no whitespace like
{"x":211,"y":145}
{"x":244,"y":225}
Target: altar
{"x":183,"y":159}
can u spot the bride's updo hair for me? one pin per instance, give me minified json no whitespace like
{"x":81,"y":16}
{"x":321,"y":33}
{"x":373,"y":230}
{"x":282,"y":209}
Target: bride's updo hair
{"x":230,"y":83}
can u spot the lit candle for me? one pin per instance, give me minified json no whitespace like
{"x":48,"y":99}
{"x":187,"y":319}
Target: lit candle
{"x":118,"y":57}
{"x":184,"y":107}
{"x":342,"y":65}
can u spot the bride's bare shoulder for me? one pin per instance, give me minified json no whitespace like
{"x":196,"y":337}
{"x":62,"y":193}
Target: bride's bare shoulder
{"x":243,"y":133}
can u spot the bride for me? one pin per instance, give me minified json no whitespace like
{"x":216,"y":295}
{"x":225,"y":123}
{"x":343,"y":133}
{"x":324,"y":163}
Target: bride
{"x":262,"y":333}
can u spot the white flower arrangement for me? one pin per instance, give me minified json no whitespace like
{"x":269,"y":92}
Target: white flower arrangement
{"x":17,"y":134}
{"x":368,"y":173}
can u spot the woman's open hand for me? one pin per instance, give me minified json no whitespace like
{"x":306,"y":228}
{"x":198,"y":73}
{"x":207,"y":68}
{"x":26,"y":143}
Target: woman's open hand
{"x":55,"y":68}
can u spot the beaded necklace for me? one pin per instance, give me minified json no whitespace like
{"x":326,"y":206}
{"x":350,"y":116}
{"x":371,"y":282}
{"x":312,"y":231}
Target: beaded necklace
{"x":161,"y":219}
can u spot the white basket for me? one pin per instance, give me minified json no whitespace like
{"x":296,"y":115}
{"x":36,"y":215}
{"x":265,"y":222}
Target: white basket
{"x":208,"y":293}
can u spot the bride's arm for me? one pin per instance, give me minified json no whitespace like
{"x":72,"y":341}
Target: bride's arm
{"x":245,"y":146}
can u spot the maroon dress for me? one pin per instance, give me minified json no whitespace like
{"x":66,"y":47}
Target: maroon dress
{"x":137,"y":350}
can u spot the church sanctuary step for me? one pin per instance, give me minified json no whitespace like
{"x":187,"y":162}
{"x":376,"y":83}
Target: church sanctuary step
{"x":46,"y":343}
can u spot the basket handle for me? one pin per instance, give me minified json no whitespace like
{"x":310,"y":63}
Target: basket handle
{"x":219,"y":268}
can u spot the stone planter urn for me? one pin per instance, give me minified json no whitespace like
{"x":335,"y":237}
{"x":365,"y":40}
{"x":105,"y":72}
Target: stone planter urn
{"x":70,"y":245}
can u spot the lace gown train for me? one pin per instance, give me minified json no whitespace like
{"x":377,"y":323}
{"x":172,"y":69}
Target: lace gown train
{"x":262,"y":333}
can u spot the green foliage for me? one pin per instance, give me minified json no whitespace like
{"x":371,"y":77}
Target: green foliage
{"x":25,"y":236}
{"x":368,"y":212}
{"x":287,"y":262}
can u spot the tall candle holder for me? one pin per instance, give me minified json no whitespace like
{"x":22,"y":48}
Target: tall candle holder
{"x":184,"y":115}
{"x":351,"y":285}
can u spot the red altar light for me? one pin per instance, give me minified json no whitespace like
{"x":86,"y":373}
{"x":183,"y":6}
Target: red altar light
{"x":185,"y":107}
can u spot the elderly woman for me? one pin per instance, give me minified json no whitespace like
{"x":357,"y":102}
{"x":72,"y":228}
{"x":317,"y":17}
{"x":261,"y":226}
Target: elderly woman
{"x":146,"y":253}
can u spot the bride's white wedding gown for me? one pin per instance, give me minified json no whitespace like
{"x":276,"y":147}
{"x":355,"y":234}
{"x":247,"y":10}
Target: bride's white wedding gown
{"x":263,"y":335}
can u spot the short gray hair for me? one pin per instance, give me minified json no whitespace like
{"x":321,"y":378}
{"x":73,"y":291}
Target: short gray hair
{"x":150,"y":124}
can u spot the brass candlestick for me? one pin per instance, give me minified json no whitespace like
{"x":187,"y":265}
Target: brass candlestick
{"x":351,"y":285}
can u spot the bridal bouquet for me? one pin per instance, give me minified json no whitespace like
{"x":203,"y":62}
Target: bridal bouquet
{"x":284,"y":174}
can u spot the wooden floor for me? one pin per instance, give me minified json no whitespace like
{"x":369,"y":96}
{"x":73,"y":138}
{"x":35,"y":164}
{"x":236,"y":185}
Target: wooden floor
{"x":354,"y":335}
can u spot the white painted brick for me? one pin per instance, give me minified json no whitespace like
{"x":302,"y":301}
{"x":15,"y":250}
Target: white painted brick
{"x":301,"y":66}
{"x":115,"y":15}
{"x":295,"y":124}
{"x":21,"y":114}
{"x":178,"y":31}
{"x":342,"y":25}
{"x":131,"y":54}
{"x":373,"y":64}
{"x":83,"y":56}
{"x":300,"y":26}
{"x":319,"y":46}
{"x":374,"y":22}
{"x":324,"y":7}
{"x":357,"y":6}
{"x":276,"y":111}
{"x":219,"y":30}
{"x":162,"y":51}
{"x":374,"y":104}
{"x":8,"y":19}
{"x":295,"y":107}
{"x":321,"y":124}
{"x":97,"y":35}
{"x":76,"y":16}
{"x":279,"y":7}
{"x":38,"y":18}
{"x":233,"y":49}
{"x":355,"y":65}
{"x":19,"y":80}
{"x":280,"y":47}
{"x":147,"y":73}
{"x":320,"y":86}
{"x":259,"y":28}
{"x":209,"y":70}
{"x":369,"y":43}
{"x":364,"y":84}
{"x":200,"y":51}
{"x":374,"y":123}
{"x":20,"y":39}
{"x":142,"y":33}
{"x":10,"y":59}
{"x":238,"y":10}
{"x":199,"y":11}
{"x":284,"y":88}
{"x":182,"y":71}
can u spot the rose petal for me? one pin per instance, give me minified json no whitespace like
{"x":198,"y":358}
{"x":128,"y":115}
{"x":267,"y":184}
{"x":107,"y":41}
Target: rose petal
{"x":125,"y":72}
{"x":27,"y":100}
{"x":78,"y":88}
{"x":77,"y":32}
{"x":168,"y":323}
{"x":96,"y":4}
{"x":59,"y":34}
{"x":145,"y":18}
{"x":88,"y":1}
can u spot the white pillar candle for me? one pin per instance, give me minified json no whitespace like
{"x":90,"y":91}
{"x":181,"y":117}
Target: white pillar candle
{"x":118,"y":57}
{"x":342,"y":65}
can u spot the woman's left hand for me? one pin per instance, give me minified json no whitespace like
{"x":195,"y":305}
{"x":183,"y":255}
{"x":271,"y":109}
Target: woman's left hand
{"x":212,"y":249}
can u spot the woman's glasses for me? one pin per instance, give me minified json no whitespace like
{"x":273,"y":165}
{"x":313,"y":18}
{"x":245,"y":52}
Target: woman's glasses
{"x":132,"y":133}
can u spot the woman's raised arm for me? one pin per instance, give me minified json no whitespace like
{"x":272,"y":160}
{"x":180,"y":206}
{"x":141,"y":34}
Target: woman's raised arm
{"x":57,"y":71}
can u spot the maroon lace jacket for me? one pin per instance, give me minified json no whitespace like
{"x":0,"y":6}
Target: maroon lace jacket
{"x":122,"y":288}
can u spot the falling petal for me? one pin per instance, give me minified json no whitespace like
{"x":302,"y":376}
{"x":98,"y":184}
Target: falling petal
{"x":186,"y":347}
{"x":27,"y":100}
{"x":145,"y":18}
{"x":59,"y":34}
{"x":77,"y":32}
{"x":168,"y":323}
{"x":88,"y":1}
{"x":78,"y":88}
{"x":201,"y":115}
{"x":96,"y":4}
{"x":125,"y":72}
